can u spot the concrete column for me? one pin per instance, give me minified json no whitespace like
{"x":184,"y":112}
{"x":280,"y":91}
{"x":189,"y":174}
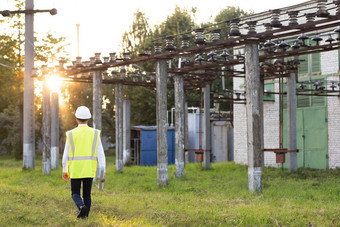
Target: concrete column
{"x":97,"y":106}
{"x":55,"y":130}
{"x":119,"y":126}
{"x":291,"y":120}
{"x":29,"y":133}
{"x":97,"y":100}
{"x":186,"y":132}
{"x":126,"y":132}
{"x":207,"y":130}
{"x":179,"y":126}
{"x":254,"y":108}
{"x":46,"y":138}
{"x":162,"y":124}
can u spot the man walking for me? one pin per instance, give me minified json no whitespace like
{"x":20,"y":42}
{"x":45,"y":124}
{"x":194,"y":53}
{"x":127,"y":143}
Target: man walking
{"x":83,"y":148}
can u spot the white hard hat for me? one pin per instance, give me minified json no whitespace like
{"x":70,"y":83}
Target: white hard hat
{"x":83,"y":112}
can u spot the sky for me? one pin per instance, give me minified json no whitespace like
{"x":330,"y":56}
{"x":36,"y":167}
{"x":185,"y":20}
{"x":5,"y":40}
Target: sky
{"x":103,"y":22}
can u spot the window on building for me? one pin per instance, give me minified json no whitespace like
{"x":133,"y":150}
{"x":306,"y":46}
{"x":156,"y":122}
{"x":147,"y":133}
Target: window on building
{"x":307,"y":63}
{"x":269,"y":87}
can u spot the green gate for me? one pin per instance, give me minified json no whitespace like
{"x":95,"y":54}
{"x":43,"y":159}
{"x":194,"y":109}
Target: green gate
{"x":311,"y":132}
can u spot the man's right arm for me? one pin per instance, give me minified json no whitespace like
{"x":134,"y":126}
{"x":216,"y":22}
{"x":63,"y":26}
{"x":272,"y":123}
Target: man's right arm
{"x":65,"y":156}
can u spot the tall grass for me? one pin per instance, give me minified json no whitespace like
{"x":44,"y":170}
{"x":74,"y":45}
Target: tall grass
{"x":215,"y":197}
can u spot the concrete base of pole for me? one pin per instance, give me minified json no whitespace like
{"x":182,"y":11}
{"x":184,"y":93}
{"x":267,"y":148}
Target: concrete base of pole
{"x":292,"y":161}
{"x":179,"y":169}
{"x":162,"y":174}
{"x":206,"y":160}
{"x":254,"y":179}
{"x":28,"y":156}
{"x":46,"y":166}
{"x":126,"y":156}
{"x":54,"y":157}
{"x":119,"y":165}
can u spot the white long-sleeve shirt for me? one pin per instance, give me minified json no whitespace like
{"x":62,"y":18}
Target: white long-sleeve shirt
{"x":100,"y":154}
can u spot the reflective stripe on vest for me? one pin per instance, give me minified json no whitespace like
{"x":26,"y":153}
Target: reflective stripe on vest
{"x":83,"y":157}
{"x":72,"y":144}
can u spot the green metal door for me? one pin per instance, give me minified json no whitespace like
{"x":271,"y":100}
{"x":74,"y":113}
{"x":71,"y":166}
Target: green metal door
{"x":316,"y":138}
{"x":312,"y":138}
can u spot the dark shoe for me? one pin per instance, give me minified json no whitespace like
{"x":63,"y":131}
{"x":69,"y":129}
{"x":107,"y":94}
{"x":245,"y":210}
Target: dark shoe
{"x":83,"y":211}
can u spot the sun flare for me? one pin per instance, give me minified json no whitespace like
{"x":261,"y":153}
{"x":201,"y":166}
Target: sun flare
{"x":54,"y":83}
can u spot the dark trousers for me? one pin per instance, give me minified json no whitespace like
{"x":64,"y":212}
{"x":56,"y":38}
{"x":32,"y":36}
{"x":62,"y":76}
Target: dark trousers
{"x":75,"y":188}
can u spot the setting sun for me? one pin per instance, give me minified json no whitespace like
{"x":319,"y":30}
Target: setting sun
{"x":54,"y":83}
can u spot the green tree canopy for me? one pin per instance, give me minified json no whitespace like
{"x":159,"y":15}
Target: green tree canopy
{"x":49,"y":48}
{"x":137,"y":40}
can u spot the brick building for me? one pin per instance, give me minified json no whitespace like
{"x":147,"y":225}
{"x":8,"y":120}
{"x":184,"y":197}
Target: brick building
{"x":318,"y":117}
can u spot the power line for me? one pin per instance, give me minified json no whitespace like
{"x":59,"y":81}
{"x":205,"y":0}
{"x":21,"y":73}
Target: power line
{"x":11,"y":67}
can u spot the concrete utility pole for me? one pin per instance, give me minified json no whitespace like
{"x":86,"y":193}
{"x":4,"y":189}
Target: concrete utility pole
{"x":28,"y":106}
{"x":186,"y":132}
{"x":55,"y":130}
{"x":126,"y":131}
{"x":291,"y":120}
{"x":254,"y":108}
{"x":162,"y":124}
{"x":29,"y":137}
{"x":46,"y":151}
{"x":119,"y":126}
{"x":97,"y":106}
{"x":179,"y":125}
{"x":207,"y":131}
{"x":97,"y":100}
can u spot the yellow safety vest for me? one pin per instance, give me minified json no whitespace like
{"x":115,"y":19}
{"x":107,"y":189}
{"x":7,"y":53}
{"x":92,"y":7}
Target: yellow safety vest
{"x":83,"y":143}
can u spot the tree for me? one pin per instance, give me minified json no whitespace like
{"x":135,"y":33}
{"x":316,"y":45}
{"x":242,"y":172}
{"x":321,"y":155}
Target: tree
{"x":11,"y":87}
{"x":225,"y":15}
{"x":11,"y":80}
{"x":137,"y":40}
{"x":50,"y":48}
{"x":181,"y":21}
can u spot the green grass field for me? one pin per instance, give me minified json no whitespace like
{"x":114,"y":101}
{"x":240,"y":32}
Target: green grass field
{"x":215,"y":197}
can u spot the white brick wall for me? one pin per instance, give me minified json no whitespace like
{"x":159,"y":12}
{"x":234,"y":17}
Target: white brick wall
{"x":329,"y":60}
{"x":240,"y":135}
{"x":240,"y":126}
{"x":333,"y":104}
{"x":271,"y":129}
